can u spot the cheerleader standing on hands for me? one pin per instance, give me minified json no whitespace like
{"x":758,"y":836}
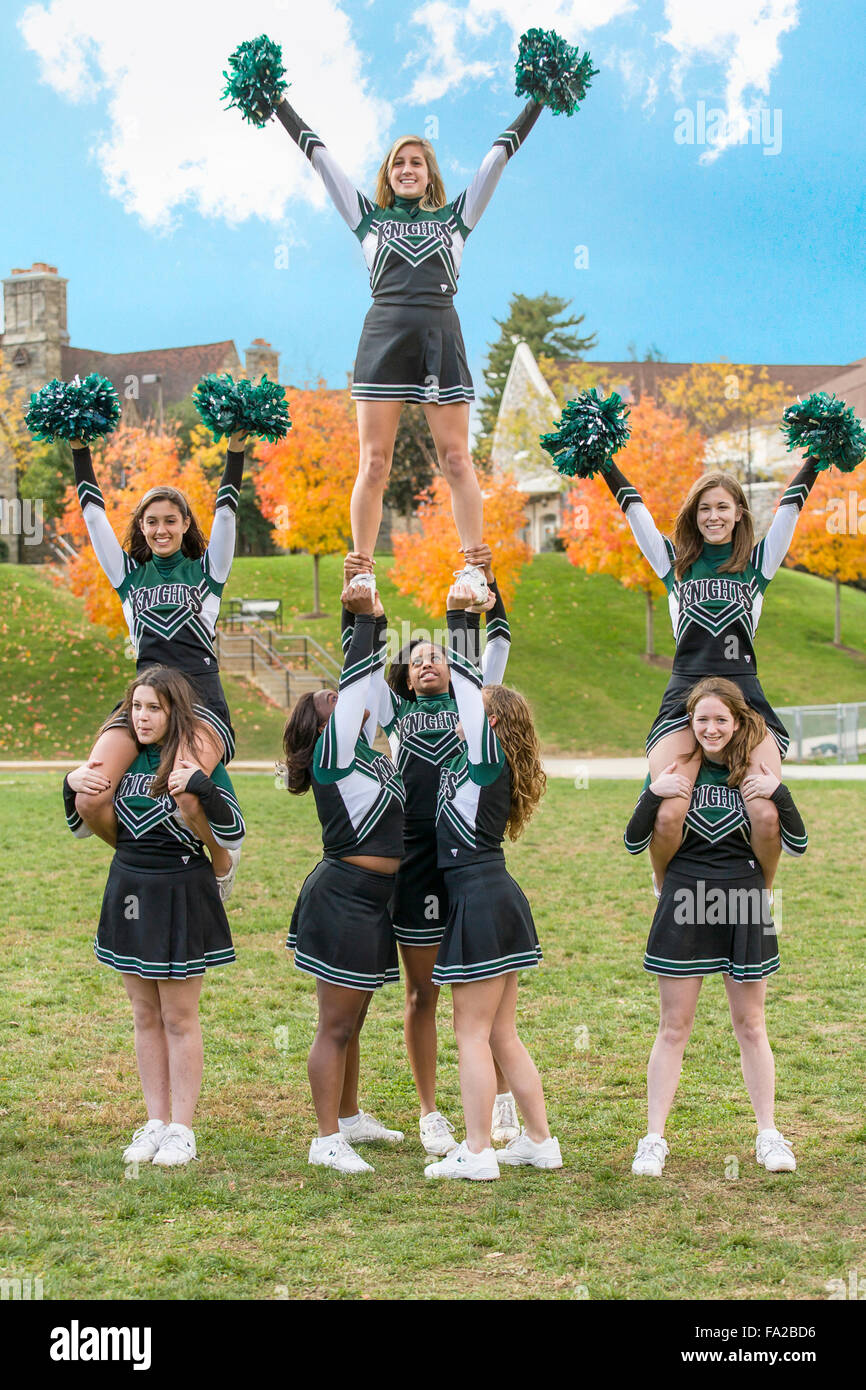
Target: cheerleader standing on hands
{"x":492,"y":785}
{"x":714,"y":915}
{"x":341,"y":930}
{"x":163,"y":922}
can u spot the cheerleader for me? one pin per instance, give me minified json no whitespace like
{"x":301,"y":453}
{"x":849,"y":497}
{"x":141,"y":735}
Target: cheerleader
{"x":341,"y":930}
{"x":716,"y":578}
{"x":162,"y":922}
{"x":411,"y":346}
{"x":714,"y":915}
{"x":493,"y":784}
{"x":169,"y":580}
{"x":419,"y":713}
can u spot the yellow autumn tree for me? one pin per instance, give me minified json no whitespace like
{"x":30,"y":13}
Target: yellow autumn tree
{"x":304,"y":482}
{"x":662,"y":459}
{"x":424,"y":563}
{"x":830,"y":539}
{"x":130,"y":463}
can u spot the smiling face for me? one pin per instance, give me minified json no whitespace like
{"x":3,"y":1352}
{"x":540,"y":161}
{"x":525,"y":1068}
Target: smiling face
{"x":713,"y":725}
{"x":427,"y":672}
{"x":716,"y":515}
{"x":409,"y":174}
{"x":149,"y":717}
{"x":164,"y":526}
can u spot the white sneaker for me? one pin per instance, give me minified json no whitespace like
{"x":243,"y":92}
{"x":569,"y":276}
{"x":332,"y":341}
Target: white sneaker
{"x":463,"y":1163}
{"x":177,"y":1146}
{"x":227,"y":882}
{"x":525,"y":1150}
{"x":505,"y":1125}
{"x":773,"y":1151}
{"x":367,"y":1127}
{"x":476,"y":579}
{"x":437,"y":1133}
{"x":145,"y":1142}
{"x":332,"y":1151}
{"x":649,"y":1160}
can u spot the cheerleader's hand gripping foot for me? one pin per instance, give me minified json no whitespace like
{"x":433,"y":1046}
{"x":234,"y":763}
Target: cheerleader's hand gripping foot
{"x":474,"y":579}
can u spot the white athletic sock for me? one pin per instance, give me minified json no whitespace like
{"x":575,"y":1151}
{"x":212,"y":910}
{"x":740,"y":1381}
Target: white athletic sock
{"x":506,"y":1095}
{"x":350,"y":1119}
{"x":327,"y":1138}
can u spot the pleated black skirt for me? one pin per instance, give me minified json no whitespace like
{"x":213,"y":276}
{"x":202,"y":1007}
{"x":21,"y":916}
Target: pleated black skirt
{"x":711,"y":926}
{"x":341,"y":928}
{"x":163,"y":924}
{"x":489,"y":930}
{"x":411,"y":353}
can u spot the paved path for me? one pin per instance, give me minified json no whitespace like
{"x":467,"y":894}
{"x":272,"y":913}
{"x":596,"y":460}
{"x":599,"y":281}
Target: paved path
{"x":573,"y":769}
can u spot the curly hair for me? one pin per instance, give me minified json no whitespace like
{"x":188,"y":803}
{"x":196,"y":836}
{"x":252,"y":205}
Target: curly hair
{"x":745,"y":739}
{"x":515,"y":731}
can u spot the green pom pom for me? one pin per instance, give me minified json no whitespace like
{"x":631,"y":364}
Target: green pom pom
{"x":827,"y":430}
{"x":256,"y":82}
{"x":74,"y":409}
{"x":226,"y":406}
{"x":589,"y":433}
{"x":549,"y":70}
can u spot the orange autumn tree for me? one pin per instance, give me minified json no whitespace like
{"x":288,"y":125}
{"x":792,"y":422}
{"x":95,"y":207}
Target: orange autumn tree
{"x":131,"y":462}
{"x":424,"y":564}
{"x":662,"y":459}
{"x":304,"y":484}
{"x":830,"y":539}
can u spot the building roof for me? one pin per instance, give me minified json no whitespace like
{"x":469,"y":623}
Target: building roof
{"x":849,"y":385}
{"x":643,"y":377}
{"x":180,"y":368}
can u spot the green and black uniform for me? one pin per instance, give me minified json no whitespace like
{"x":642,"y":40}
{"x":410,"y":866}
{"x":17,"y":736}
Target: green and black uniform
{"x":411,"y":347}
{"x":714,"y":914}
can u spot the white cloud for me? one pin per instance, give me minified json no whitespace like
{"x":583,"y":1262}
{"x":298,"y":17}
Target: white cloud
{"x":168,"y":142}
{"x":742,"y":38}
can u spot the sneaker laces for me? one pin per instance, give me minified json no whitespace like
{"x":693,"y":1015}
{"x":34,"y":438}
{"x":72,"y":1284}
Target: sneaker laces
{"x":650,"y":1147}
{"x":775,"y":1144}
{"x":141,"y":1131}
{"x":505,"y":1114}
{"x":176,"y":1141}
{"x":439,"y":1126}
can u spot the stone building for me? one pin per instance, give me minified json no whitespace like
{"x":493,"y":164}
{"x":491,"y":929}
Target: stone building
{"x":36,"y":349}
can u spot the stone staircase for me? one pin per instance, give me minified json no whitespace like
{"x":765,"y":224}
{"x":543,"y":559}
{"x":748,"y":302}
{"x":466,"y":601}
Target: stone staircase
{"x":283,"y":665}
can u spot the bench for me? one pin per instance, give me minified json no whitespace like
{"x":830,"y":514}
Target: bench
{"x":253,"y":611}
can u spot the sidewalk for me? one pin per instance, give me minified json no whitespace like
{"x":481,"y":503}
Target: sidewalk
{"x":572,"y":769}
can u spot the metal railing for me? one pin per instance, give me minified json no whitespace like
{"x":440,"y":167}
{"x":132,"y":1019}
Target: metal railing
{"x":833,"y":732}
{"x":268,"y":668}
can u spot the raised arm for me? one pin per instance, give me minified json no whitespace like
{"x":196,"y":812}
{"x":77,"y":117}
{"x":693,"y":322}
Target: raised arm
{"x":109,"y":552}
{"x":351,"y":204}
{"x":654,"y":547}
{"x":382,"y":700}
{"x":771,"y":551}
{"x":494,"y":658}
{"x":472,"y":202}
{"x":485,"y":754}
{"x":221,"y":546}
{"x":342,"y":730}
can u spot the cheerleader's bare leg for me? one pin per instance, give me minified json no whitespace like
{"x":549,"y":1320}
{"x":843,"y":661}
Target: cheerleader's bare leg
{"x":680,"y":748}
{"x":765,"y":839}
{"x":449,"y":426}
{"x":419,"y":1020}
{"x":179,"y":1004}
{"x":341,"y":1013}
{"x":678,"y":1000}
{"x":151,"y":1050}
{"x":522,"y":1073}
{"x":746,"y":1002}
{"x":349,"y":1104}
{"x":111,"y":755}
{"x":377,"y":431}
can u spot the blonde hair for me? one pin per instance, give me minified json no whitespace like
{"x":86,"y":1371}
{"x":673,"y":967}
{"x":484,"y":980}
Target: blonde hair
{"x":745,"y":739}
{"x":516,"y":732}
{"x":434,"y":194}
{"x":688,"y":541}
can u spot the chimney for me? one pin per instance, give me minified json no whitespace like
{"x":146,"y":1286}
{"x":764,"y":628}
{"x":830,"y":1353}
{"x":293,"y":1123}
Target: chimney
{"x":34,"y":307}
{"x":262,"y":360}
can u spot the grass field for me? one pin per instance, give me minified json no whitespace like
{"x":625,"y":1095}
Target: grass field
{"x":251,"y":1220}
{"x":576,"y":654}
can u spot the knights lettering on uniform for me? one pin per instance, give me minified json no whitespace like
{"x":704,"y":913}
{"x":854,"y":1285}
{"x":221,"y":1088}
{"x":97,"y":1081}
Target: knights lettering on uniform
{"x":417,"y":723}
{"x":166,"y":596}
{"x":727,"y":797}
{"x":138,"y":784}
{"x":413,"y":232}
{"x":694,"y":592}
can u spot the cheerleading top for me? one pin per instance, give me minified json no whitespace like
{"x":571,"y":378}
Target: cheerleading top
{"x":717,"y":826}
{"x":474,"y":798}
{"x":413,"y":255}
{"x":171,"y":604}
{"x":150,"y":834}
{"x":423,"y":731}
{"x":714,"y":615}
{"x":359,"y":793}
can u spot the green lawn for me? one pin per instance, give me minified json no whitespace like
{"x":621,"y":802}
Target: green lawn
{"x":576,"y":654}
{"x":252,"y":1220}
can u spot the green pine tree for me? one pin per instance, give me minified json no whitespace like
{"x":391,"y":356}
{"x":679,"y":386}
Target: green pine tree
{"x":536,"y":320}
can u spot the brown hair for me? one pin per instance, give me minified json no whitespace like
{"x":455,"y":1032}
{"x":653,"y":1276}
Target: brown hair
{"x":299,"y":740}
{"x":176,"y":696}
{"x":193,"y":544}
{"x":516,"y":732}
{"x":745,"y":739}
{"x":434,"y":194}
{"x":688,"y":541}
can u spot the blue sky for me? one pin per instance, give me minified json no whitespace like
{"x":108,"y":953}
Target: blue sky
{"x":705,"y":253}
